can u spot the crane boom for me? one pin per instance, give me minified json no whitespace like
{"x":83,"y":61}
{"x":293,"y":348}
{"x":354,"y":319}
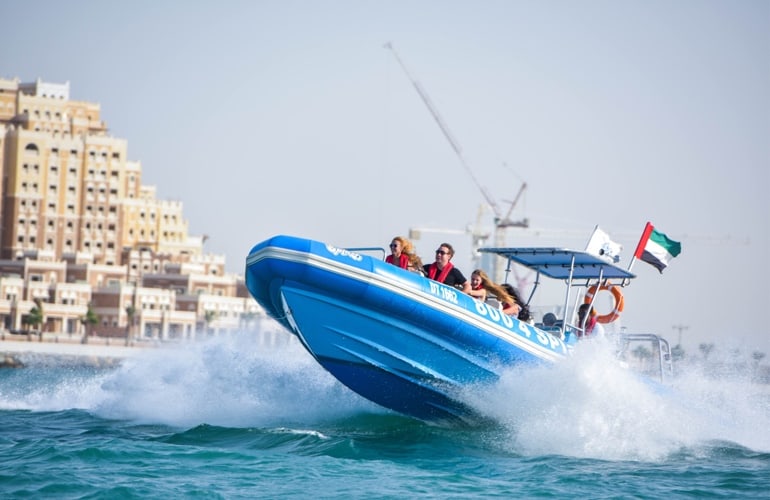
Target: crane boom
{"x":501,"y":222}
{"x":445,"y":129}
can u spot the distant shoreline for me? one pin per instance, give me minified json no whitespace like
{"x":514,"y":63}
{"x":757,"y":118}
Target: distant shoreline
{"x":15,"y":348}
{"x":18,"y":350}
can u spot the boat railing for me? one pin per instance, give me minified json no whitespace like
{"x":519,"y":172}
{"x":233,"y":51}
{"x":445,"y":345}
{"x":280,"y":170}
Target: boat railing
{"x":656,"y":361}
{"x":369,"y":250}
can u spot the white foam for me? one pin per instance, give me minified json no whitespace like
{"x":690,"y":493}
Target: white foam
{"x":226,"y":382}
{"x":589,"y":406}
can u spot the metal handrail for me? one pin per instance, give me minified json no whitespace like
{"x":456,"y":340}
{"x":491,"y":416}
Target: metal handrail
{"x":665,"y":363}
{"x":368,"y":249}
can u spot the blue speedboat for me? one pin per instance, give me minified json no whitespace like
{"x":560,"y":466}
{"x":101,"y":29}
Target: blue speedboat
{"x":403,"y":341}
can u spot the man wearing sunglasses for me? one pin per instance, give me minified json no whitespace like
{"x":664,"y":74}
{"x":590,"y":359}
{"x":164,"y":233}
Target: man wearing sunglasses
{"x":444,"y":271}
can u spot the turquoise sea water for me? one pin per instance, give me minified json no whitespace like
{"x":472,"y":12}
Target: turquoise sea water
{"x":232,"y":419}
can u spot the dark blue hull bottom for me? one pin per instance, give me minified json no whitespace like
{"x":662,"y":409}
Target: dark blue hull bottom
{"x":427,"y":402}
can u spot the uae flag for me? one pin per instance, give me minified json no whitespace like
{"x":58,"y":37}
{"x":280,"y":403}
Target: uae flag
{"x":656,"y":248}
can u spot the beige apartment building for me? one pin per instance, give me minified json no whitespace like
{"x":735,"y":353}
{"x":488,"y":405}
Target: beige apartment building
{"x":79,"y":231}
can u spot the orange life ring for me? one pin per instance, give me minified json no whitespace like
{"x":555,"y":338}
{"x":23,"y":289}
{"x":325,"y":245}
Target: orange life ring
{"x":617,"y":306}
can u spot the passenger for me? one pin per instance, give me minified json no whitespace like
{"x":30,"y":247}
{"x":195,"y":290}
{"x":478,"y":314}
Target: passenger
{"x":517,"y":307}
{"x":588,"y":327}
{"x":398,"y":257}
{"x":415,"y":264}
{"x":404,"y":256}
{"x":444,"y":271}
{"x":549,"y":320}
{"x":482,"y":288}
{"x":477,"y":286}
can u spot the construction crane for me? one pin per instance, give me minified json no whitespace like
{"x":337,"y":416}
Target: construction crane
{"x":501,"y":221}
{"x":477,"y":233}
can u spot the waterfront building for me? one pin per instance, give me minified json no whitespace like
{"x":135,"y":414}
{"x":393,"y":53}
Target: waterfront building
{"x":79,"y":231}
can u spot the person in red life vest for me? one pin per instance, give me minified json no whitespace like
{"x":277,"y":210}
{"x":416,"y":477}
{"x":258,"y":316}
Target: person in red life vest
{"x":477,"y":286}
{"x":482,"y":288}
{"x":402,"y":254}
{"x":444,"y":271}
{"x":516,"y":307}
{"x":398,"y":257}
{"x":588,"y":326}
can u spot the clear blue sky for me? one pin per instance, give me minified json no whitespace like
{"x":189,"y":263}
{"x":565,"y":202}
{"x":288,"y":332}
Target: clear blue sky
{"x":268,"y":117}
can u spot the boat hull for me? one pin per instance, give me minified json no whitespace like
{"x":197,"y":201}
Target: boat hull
{"x":405,"y":342}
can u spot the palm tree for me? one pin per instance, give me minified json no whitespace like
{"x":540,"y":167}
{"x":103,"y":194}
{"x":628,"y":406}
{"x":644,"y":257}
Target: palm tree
{"x":88,"y":321}
{"x":641,"y":353}
{"x":758,"y":356}
{"x":208,"y":317}
{"x":677,"y":353}
{"x":131,"y":313}
{"x":247,"y":318}
{"x":706,"y":349}
{"x":36,"y":317}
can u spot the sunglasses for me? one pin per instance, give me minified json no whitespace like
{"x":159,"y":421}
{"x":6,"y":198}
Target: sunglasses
{"x":441,"y":252}
{"x":393,"y":245}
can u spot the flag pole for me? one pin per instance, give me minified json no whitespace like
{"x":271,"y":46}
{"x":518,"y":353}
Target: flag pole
{"x":642,"y":243}
{"x":593,"y":233}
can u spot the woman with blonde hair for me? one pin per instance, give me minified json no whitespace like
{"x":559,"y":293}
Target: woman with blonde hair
{"x":402,"y":254}
{"x":482,"y":287}
{"x":398,"y":256}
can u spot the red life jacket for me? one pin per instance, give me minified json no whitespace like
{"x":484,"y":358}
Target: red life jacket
{"x":403,"y":260}
{"x":589,"y":327}
{"x":433,"y":269}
